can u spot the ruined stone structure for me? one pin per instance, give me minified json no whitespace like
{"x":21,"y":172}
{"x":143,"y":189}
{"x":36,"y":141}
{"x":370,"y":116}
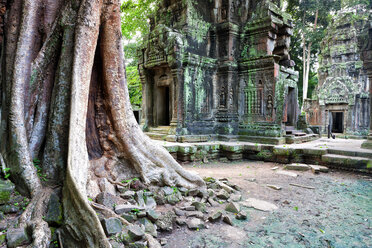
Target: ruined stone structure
{"x":341,"y":99}
{"x":218,"y":69}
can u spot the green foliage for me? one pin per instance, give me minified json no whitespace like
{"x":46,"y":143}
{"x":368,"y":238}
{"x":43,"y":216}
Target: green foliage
{"x":135,"y":15}
{"x":134,"y":86}
{"x":135,"y":26}
{"x":6,"y":173}
{"x":303,"y":14}
{"x":37,"y":164}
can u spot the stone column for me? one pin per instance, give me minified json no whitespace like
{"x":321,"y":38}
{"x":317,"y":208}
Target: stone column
{"x":176,"y":74}
{"x":367,"y":61}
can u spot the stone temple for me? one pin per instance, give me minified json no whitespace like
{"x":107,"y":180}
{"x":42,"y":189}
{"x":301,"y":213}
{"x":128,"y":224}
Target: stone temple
{"x":219,"y":70}
{"x":341,"y":99}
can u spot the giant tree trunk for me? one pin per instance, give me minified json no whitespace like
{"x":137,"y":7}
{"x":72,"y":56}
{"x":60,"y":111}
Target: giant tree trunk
{"x":64,"y":101}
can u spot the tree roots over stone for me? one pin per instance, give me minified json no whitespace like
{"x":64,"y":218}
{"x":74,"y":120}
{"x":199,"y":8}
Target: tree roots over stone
{"x":65,"y":114}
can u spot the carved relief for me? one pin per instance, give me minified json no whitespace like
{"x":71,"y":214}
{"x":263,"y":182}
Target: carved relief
{"x":222,"y":97}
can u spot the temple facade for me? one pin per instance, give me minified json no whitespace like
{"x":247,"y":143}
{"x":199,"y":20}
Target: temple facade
{"x":218,"y":69}
{"x":341,"y":99}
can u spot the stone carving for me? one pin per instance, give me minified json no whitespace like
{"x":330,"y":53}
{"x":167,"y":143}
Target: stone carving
{"x":214,"y":47}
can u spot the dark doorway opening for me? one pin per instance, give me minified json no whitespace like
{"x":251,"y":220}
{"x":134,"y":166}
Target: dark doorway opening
{"x":337,"y":122}
{"x":290,"y":108}
{"x":163,"y":106}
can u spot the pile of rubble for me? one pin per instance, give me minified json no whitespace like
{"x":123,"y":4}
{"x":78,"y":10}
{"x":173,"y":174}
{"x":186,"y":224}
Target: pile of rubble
{"x":161,"y":209}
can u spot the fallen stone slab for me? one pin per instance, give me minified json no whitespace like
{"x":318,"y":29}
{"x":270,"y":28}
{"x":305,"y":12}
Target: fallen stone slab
{"x":274,"y":187}
{"x":301,"y":186}
{"x":260,"y":205}
{"x":120,"y":209}
{"x":287,"y":173}
{"x":297,"y":167}
{"x":317,"y":168}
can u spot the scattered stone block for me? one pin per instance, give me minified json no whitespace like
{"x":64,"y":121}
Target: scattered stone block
{"x":167,"y":190}
{"x":225,"y":187}
{"x":317,"y":168}
{"x":9,"y":209}
{"x":116,"y":244}
{"x":195,"y":223}
{"x":189,"y":208}
{"x":126,"y":208}
{"x":129,"y":217}
{"x":236,"y":197}
{"x":215,"y":216}
{"x":233,"y":207}
{"x":17,"y":237}
{"x":108,"y":200}
{"x":178,"y":212}
{"x":141,"y":214}
{"x":212,"y":202}
{"x":152,"y":215}
{"x":260,"y":205}
{"x":112,"y":226}
{"x":6,"y":189}
{"x":297,"y":167}
{"x":135,"y":232}
{"x":199,"y":206}
{"x":193,"y":192}
{"x":227,"y":220}
{"x":196,"y":214}
{"x":106,"y":186}
{"x":287,"y":173}
{"x":223,"y":194}
{"x":138,"y":244}
{"x":181,"y":221}
{"x":150,"y":202}
{"x":129,"y":194}
{"x":241,"y":216}
{"x":54,"y":211}
{"x":165,"y":222}
{"x":149,"y":227}
{"x":139,"y":198}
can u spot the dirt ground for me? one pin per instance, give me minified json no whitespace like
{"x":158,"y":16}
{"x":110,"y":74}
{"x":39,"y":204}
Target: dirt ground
{"x":337,"y":213}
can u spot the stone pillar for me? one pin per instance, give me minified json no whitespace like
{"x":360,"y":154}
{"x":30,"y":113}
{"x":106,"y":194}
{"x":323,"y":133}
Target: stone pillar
{"x":367,"y":61}
{"x":176,"y":74}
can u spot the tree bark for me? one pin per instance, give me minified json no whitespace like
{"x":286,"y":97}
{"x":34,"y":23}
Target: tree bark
{"x":56,"y":109}
{"x":306,"y":60}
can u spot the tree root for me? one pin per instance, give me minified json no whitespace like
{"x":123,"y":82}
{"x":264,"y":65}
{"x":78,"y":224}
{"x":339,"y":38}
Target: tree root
{"x":32,"y":219}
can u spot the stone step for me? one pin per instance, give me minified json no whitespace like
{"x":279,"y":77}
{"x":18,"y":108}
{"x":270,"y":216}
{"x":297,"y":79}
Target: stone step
{"x":289,"y":128}
{"x":156,"y":136}
{"x":348,"y":161}
{"x":363,"y":154}
{"x":298,"y":133}
{"x":160,"y":129}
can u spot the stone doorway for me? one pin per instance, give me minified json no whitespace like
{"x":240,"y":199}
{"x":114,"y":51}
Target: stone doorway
{"x":163,"y":117}
{"x":289,"y":117}
{"x":337,"y":122}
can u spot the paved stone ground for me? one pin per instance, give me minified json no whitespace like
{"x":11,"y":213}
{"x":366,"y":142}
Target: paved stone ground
{"x":337,"y":213}
{"x":342,"y":144}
